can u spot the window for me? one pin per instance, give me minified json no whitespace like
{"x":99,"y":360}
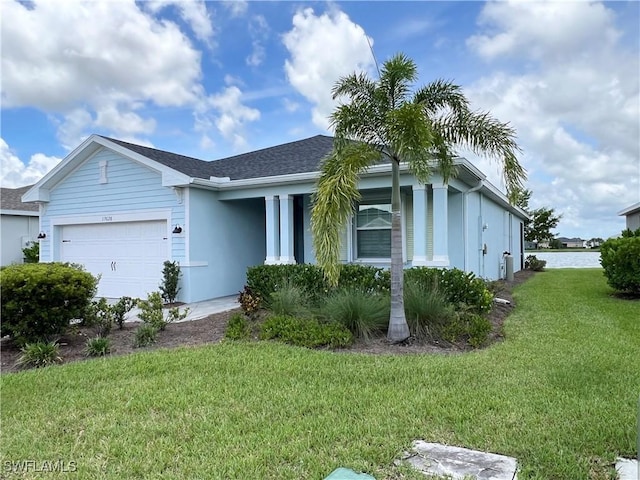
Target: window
{"x":373,"y":231}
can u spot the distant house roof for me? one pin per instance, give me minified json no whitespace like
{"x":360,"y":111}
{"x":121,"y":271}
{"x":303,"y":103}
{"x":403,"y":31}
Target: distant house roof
{"x":630,"y":210}
{"x":295,"y":157}
{"x":570,"y":240}
{"x":11,"y":199}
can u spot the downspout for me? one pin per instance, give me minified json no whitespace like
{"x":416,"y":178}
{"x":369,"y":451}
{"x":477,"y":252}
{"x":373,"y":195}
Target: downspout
{"x":465,"y":215}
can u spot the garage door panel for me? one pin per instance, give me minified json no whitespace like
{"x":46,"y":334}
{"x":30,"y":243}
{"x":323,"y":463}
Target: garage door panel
{"x":128,"y":256}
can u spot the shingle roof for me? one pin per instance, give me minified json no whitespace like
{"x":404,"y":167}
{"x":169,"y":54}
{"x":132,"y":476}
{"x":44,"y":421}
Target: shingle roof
{"x":11,"y":199}
{"x":295,"y":157}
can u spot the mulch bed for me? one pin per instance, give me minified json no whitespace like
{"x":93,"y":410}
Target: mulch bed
{"x":211,"y":330}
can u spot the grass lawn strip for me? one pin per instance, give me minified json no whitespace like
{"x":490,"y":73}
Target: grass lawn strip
{"x":560,"y":394}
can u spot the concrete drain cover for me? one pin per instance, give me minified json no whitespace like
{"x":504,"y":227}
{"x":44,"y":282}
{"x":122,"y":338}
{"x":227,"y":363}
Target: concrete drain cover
{"x":460,"y":463}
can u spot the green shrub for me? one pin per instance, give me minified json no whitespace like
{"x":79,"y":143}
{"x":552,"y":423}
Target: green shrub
{"x":123,"y":306}
{"x":100,"y":314}
{"x":151,"y":311}
{"x":263,"y":280}
{"x":289,"y":300}
{"x":362,"y":313}
{"x":426,"y":310}
{"x":39,"y":354}
{"x":40,"y":299}
{"x":237,"y":328}
{"x":170,"y":279}
{"x":620,"y":259}
{"x":97,"y":347}
{"x":467,"y":327}
{"x":308,"y":333}
{"x":145,"y":336}
{"x":457,"y":286}
{"x":365,"y":278}
{"x":533,"y":263}
{"x":31,"y":253}
{"x":478,"y":329}
{"x":175,"y":315}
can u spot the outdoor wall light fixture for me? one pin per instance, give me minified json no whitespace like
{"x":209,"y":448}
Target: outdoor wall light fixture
{"x":42,"y":235}
{"x":177,"y":229}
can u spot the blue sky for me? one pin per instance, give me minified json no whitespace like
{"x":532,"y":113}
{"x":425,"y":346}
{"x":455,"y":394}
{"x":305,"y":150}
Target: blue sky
{"x":212,"y":79}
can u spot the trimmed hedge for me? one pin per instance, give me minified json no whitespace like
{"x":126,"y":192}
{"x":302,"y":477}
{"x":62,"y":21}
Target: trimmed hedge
{"x":458,"y":287}
{"x":39,"y":300}
{"x":620,"y":259}
{"x":263,"y":280}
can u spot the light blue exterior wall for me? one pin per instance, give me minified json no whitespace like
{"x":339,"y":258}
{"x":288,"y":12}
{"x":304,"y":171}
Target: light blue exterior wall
{"x":456,"y":230}
{"x":130,"y":187}
{"x":474,"y":237}
{"x":225,"y":237}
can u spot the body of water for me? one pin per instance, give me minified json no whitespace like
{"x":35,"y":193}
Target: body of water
{"x":580,"y":259}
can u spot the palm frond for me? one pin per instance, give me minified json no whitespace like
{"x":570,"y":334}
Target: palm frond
{"x":441,"y":95}
{"x":356,"y":86}
{"x":488,"y":137}
{"x":333,"y":201}
{"x":408,"y":136}
{"x":396,"y":79}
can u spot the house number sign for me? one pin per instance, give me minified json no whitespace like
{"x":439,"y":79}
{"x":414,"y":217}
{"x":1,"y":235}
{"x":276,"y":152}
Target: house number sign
{"x":107,"y":219}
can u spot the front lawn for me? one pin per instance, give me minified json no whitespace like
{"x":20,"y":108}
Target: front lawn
{"x":560,"y":394}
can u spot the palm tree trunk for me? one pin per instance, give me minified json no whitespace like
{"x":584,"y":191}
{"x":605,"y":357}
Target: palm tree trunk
{"x":398,"y":328}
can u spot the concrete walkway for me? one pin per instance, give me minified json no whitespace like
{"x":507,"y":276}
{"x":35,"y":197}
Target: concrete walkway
{"x":198,"y":310}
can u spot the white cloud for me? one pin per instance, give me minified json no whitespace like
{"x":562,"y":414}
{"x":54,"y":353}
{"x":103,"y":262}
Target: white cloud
{"x":193,"y":12}
{"x":576,"y":108}
{"x":98,"y":58}
{"x":237,"y":7}
{"x":259,"y":32}
{"x":14,"y":173}
{"x":543,"y":29}
{"x":323,"y":48}
{"x":231,"y":117}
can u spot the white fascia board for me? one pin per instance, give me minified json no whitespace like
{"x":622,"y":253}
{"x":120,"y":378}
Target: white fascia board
{"x":632,"y":209}
{"x":470,"y":167}
{"x":40,"y":191}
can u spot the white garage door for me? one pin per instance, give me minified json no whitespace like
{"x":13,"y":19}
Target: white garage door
{"x":128,"y":256}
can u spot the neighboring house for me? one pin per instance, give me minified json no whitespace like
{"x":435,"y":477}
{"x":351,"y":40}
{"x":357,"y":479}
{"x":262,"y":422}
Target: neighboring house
{"x":122,"y":209}
{"x":632,"y":215}
{"x":18,"y":224}
{"x":572,"y":242}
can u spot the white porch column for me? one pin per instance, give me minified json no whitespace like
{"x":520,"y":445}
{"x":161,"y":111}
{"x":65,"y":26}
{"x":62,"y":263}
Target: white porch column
{"x":273,"y":230}
{"x":286,"y":229}
{"x":440,"y":225}
{"x":419,"y":226}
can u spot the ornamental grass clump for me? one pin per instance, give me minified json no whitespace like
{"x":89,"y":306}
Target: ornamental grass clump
{"x":39,"y":354}
{"x":289,"y":300}
{"x":428,"y":312}
{"x":364,"y":314}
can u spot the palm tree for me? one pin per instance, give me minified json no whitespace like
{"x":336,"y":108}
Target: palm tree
{"x":385,"y":120}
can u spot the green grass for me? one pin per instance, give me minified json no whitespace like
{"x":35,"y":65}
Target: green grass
{"x":560,"y":394}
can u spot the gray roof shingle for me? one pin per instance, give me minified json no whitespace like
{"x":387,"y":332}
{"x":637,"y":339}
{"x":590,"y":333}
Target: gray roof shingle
{"x":301,"y":156}
{"x":11,"y":199}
